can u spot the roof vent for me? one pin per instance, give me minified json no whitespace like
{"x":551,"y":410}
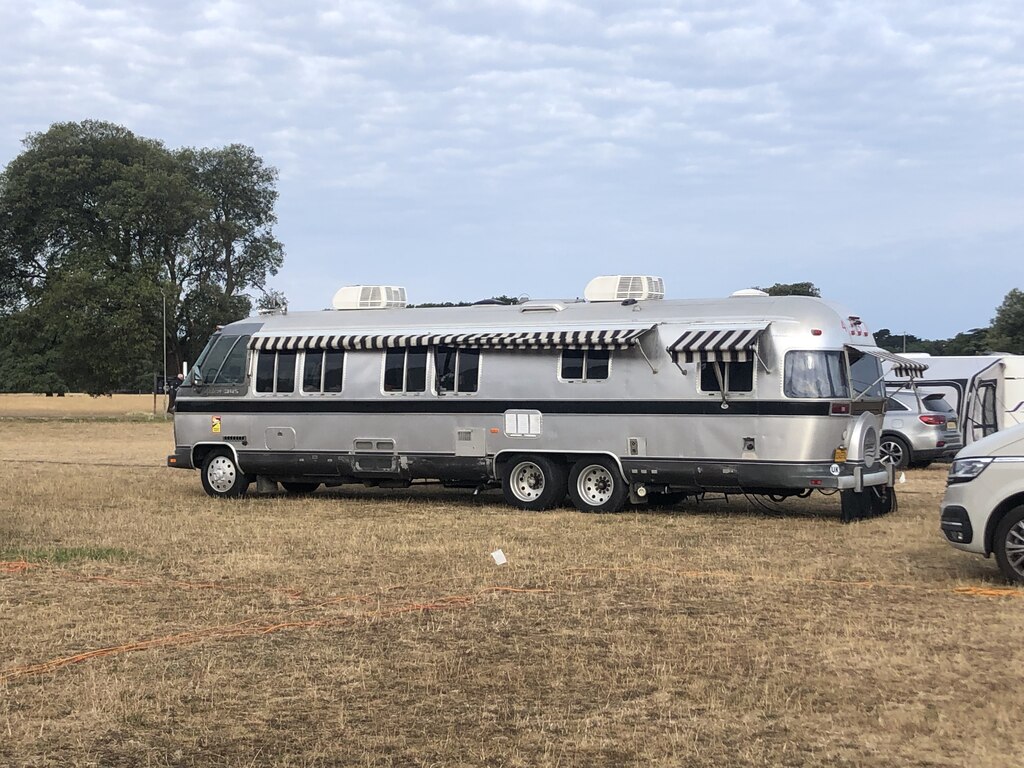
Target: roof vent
{"x":369,"y":297}
{"x":748,"y":292}
{"x":622,"y":287}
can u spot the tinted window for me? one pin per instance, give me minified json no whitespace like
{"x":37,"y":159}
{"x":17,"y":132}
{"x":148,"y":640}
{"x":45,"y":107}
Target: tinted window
{"x":865,"y":374}
{"x":334,"y":370}
{"x":265,"y":372}
{"x":232,"y":370}
{"x":394,"y":370}
{"x":738,"y":377}
{"x":892,"y":404}
{"x":572,"y":364}
{"x":215,"y":357}
{"x":469,"y":370}
{"x":709,"y":379}
{"x":936,"y":403}
{"x":286,"y":371}
{"x":444,"y":361}
{"x":416,"y":370}
{"x":815,"y":374}
{"x":312,"y":371}
{"x":597,"y":364}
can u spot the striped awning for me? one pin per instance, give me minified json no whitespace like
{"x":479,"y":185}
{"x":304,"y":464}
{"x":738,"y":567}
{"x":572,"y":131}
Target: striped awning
{"x":902,"y":367}
{"x":708,"y":343}
{"x":592,"y":338}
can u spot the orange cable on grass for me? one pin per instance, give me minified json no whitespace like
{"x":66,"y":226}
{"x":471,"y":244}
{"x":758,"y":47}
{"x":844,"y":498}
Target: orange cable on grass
{"x":250,"y":627}
{"x":15,"y":566}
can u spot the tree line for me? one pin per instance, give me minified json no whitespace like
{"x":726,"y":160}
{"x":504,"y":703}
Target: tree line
{"x":103,"y":233}
{"x":1005,"y":334}
{"x":107,"y":238}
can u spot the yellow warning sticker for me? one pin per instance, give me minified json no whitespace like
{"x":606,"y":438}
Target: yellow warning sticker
{"x":215,"y":424}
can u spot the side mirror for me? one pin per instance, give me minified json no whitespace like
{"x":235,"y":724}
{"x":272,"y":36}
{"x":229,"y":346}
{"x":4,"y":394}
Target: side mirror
{"x":195,"y":376}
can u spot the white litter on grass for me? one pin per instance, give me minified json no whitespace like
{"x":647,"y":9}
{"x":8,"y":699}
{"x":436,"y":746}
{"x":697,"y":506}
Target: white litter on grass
{"x":903,"y":477}
{"x":499,"y":557}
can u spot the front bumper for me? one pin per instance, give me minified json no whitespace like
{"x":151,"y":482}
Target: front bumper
{"x":181,"y":458}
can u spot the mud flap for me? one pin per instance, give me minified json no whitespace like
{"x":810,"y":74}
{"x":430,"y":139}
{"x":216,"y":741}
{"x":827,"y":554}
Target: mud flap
{"x":871,"y":502}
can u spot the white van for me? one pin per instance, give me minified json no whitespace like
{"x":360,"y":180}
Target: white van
{"x":983,"y":508}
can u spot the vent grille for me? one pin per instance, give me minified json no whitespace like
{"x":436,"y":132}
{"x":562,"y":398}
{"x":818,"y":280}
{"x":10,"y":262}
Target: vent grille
{"x":370,"y":297}
{"x":625,"y":288}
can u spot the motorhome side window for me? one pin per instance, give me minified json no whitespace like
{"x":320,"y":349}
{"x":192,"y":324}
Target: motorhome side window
{"x":458,"y":370}
{"x":737,"y":377}
{"x":275,"y":371}
{"x":815,"y":374}
{"x":223,"y":360}
{"x":584,"y":364}
{"x":323,"y":371}
{"x":405,"y":370}
{"x":866,"y":374}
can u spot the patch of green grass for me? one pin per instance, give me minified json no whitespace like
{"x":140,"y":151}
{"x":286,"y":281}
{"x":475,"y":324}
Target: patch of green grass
{"x":61,"y":555}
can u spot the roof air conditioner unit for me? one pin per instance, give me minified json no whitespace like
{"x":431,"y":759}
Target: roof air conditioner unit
{"x":748,"y":292}
{"x":369,"y":297}
{"x":624,"y":287}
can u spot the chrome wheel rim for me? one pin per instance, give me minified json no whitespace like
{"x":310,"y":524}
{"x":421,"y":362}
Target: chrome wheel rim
{"x":221,"y":474}
{"x":1015,"y":548}
{"x":595,"y":485}
{"x":527,"y":481}
{"x":890,"y":453}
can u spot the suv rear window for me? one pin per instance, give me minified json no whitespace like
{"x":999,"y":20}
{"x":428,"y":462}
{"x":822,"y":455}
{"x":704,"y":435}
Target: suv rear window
{"x":936,"y":403}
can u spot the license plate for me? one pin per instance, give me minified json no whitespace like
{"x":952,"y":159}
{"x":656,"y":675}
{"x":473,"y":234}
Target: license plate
{"x":951,"y":426}
{"x":840,"y":455}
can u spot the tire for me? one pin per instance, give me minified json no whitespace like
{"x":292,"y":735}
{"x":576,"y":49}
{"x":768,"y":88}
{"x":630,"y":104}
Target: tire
{"x":596,"y":485}
{"x":1009,"y":545}
{"x":222,"y":477}
{"x":300,"y":489}
{"x":894,"y":450}
{"x":533,"y":482}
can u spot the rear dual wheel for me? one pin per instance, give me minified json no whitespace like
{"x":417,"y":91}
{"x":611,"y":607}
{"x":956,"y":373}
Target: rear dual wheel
{"x":596,"y":485}
{"x":538,"y":482}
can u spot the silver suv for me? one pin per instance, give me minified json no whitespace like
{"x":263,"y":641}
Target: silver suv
{"x":915,"y":431}
{"x":983,"y":508}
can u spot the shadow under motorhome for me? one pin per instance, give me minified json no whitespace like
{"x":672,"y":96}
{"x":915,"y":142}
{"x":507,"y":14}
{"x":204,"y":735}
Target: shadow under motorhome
{"x":611,"y":400}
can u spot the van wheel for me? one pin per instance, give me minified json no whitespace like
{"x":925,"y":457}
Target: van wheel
{"x":894,"y":450}
{"x":533,"y":482}
{"x":1009,"y":545}
{"x":299,"y":489}
{"x":596,"y":485}
{"x":221,"y":476}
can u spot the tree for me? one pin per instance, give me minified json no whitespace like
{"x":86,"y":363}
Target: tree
{"x":1007,"y":333}
{"x":99,"y":228}
{"x":792,"y":289}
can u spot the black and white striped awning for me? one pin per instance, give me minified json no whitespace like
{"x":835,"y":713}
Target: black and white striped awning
{"x":902,"y":367}
{"x":593,"y":338}
{"x":708,"y":343}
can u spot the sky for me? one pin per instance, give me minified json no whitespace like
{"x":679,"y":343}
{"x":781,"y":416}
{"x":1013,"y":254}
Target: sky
{"x":469,"y":149}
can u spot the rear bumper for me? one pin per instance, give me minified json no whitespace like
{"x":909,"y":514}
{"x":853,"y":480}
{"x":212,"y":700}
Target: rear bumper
{"x":181,"y":458}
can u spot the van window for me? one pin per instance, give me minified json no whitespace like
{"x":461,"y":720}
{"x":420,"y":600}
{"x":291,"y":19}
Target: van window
{"x":232,"y":370}
{"x":865,"y":374}
{"x":585,"y":364}
{"x":323,"y":371}
{"x":275,"y":371}
{"x":458,"y":370}
{"x":738,"y":377}
{"x":405,"y":370}
{"x":815,"y":374}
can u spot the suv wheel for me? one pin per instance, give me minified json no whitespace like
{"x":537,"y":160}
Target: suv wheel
{"x":894,"y":450}
{"x":1009,"y":545}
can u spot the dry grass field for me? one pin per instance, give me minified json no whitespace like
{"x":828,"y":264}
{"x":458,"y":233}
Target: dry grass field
{"x":371,"y":628}
{"x":76,"y":406}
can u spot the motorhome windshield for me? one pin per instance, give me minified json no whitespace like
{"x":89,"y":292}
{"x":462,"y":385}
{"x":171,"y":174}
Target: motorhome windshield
{"x":222,"y":361}
{"x":815,"y":374}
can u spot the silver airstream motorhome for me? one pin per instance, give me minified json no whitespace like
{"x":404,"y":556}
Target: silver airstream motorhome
{"x":623,"y":397}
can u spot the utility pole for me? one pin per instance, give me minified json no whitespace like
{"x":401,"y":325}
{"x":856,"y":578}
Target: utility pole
{"x":164,"y":297}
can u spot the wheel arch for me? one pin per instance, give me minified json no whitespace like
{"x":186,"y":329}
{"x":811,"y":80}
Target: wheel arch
{"x":201,"y":450}
{"x":1002,"y":509}
{"x":568,"y":458}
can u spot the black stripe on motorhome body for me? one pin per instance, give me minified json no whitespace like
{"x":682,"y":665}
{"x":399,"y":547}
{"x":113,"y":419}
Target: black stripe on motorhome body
{"x":486,"y":407}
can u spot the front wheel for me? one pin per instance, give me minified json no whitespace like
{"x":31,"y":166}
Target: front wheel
{"x":533,"y":482}
{"x":222,"y":477}
{"x":596,"y":485}
{"x":1009,"y":545}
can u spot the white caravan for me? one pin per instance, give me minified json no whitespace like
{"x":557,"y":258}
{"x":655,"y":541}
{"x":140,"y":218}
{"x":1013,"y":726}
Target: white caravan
{"x":621,"y":398}
{"x":986,"y":391}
